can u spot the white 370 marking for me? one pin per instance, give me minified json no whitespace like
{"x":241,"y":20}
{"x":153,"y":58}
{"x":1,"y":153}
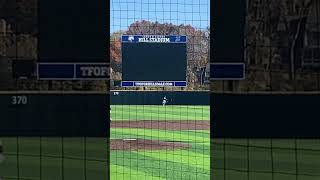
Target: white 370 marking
{"x":19,"y":100}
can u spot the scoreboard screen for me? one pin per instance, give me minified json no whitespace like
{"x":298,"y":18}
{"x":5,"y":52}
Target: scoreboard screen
{"x":154,"y":60}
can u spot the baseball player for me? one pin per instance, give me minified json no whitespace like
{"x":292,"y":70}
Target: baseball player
{"x":110,"y":114}
{"x":164,"y":101}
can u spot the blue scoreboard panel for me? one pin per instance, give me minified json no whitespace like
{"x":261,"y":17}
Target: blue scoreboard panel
{"x":154,"y":60}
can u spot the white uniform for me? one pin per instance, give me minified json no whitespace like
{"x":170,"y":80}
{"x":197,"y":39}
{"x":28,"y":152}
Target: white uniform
{"x":110,"y":115}
{"x":164,"y":101}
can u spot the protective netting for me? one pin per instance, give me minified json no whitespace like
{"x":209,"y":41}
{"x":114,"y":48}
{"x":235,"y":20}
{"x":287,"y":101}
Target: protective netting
{"x":155,"y":140}
{"x":281,"y":47}
{"x":268,"y":159}
{"x":160,"y":132}
{"x":40,"y":158}
{"x":281,"y":57}
{"x":167,"y":17}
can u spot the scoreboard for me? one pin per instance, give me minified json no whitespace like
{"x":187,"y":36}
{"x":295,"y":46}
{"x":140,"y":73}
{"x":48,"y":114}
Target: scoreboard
{"x":154,"y":60}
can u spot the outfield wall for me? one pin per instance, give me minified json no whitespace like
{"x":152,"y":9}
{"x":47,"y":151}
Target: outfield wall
{"x":54,"y":114}
{"x":155,"y":97}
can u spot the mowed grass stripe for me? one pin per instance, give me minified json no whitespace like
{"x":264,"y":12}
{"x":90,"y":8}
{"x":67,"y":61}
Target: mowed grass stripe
{"x":159,"y":109}
{"x":157,"y":167}
{"x":156,"y":109}
{"x":205,"y":107}
{"x":155,"y":116}
{"x":124,"y":134}
{"x":196,"y":160}
{"x":146,"y":112}
{"x":122,"y":173}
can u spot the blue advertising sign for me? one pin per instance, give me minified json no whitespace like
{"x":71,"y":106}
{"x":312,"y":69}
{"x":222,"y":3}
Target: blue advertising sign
{"x":153,"y":83}
{"x":227,"y":71}
{"x":73,"y":71}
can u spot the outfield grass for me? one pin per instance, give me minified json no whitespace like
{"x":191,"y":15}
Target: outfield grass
{"x":158,"y":112}
{"x":192,"y":163}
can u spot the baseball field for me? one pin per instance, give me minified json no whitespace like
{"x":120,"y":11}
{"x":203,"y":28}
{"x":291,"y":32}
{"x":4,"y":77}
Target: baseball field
{"x":57,"y":158}
{"x":155,"y":142}
{"x":160,"y":142}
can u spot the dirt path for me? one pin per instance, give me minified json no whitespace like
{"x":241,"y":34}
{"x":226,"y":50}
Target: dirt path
{"x":145,"y":144}
{"x":163,"y":125}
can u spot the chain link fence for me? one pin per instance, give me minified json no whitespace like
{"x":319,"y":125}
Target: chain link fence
{"x":176,"y":17}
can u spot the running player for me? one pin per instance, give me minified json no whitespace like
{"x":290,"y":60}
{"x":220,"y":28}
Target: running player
{"x":110,"y":114}
{"x":164,"y":101}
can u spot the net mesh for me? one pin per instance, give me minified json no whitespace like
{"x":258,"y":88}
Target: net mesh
{"x":37,"y":158}
{"x":281,"y":57}
{"x":269,"y":159}
{"x":41,"y":157}
{"x":281,"y":47}
{"x":174,"y":17}
{"x":150,"y":140}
